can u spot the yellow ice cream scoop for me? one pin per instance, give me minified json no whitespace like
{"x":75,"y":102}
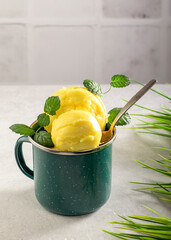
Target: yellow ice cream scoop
{"x":75,"y":130}
{"x":79,"y":98}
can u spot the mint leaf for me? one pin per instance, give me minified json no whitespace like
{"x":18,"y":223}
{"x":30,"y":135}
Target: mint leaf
{"x":43,"y":120}
{"x":119,"y":81}
{"x":22,"y":129}
{"x":43,"y":138}
{"x":35,"y":127}
{"x":124,"y":120}
{"x":52,"y":104}
{"x":93,"y":87}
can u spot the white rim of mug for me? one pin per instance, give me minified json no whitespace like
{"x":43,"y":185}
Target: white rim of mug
{"x":51,"y":150}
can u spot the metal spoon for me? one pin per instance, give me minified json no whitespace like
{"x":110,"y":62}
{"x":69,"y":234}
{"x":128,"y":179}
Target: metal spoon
{"x":107,"y":135}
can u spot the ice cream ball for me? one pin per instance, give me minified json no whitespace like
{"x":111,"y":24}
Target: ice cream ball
{"x":75,"y":130}
{"x":79,"y":98}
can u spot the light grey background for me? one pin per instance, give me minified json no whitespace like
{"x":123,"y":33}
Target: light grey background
{"x":65,"y":42}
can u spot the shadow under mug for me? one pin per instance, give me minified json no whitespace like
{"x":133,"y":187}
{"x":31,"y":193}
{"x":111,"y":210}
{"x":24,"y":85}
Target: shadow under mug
{"x":69,"y":183}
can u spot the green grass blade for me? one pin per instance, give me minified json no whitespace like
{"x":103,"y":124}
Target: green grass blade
{"x":165,"y":189}
{"x":155,"y":169}
{"x":166,"y":109}
{"x":162,"y":148}
{"x":154,"y":233}
{"x":127,"y":236}
{"x":166,"y":199}
{"x":161,"y":119}
{"x":156,"y":125}
{"x":153,"y":190}
{"x":145,"y":226}
{"x":168,"y":219}
{"x":156,"y":220}
{"x":153,"y":184}
{"x":149,"y":109}
{"x":152,"y":89}
{"x":161,"y":163}
{"x":166,"y":159}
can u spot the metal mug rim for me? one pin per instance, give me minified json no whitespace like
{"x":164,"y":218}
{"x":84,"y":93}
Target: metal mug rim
{"x":53,"y":151}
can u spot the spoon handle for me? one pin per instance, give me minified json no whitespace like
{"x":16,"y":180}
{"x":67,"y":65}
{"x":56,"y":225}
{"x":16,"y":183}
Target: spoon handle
{"x":133,"y":100}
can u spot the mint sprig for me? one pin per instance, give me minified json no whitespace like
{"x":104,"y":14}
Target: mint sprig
{"x":40,"y":136}
{"x":124,"y":120}
{"x":52,"y":104}
{"x":117,"y":81}
{"x":93,"y":87}
{"x":22,"y":129}
{"x":44,"y":139}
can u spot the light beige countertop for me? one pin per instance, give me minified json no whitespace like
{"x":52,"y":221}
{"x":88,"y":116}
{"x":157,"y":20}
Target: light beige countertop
{"x":23,"y":218}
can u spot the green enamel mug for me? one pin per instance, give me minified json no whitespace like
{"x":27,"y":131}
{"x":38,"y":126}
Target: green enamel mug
{"x":69,"y":183}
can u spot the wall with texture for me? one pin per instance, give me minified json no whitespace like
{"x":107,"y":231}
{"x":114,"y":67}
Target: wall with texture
{"x":65,"y":42}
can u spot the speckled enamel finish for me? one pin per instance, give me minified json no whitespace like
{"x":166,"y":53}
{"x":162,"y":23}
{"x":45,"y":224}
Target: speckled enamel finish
{"x":71,"y":185}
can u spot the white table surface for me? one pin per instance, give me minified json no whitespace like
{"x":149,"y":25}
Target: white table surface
{"x":21,"y":216}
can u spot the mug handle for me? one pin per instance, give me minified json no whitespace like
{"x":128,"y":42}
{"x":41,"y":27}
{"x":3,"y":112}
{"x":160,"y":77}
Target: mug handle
{"x":20,"y":158}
